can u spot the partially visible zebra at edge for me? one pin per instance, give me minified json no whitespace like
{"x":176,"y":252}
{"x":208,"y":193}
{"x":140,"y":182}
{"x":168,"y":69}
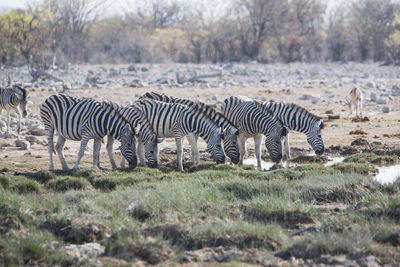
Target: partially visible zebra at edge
{"x":253,"y":122}
{"x":176,"y":120}
{"x":230,"y":132}
{"x":297,"y":119}
{"x":85,"y":119}
{"x":10,"y":99}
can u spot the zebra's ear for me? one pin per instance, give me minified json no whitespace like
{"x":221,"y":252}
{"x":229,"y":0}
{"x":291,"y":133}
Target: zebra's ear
{"x":321,"y":125}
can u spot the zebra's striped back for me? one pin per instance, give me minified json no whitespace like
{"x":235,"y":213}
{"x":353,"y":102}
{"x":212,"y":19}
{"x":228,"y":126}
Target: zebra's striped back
{"x":298,"y":119}
{"x":143,"y":130}
{"x":246,"y":116}
{"x":11,"y":98}
{"x":74,"y":118}
{"x":172,"y":120}
{"x":229,"y":130}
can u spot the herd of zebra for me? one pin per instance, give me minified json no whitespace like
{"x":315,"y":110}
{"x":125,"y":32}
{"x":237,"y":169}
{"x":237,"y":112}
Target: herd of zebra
{"x":156,"y":116}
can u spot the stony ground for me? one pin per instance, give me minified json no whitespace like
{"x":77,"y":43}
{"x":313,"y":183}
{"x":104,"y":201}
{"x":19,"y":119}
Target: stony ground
{"x":320,"y":88}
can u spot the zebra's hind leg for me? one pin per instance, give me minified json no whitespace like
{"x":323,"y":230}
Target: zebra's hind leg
{"x":257,"y":145}
{"x":195,"y":154}
{"x":59,"y":148}
{"x":96,"y":152}
{"x":84,"y":142}
{"x":50,"y":147}
{"x":179,"y":152}
{"x":110,"y":142}
{"x":242,"y":148}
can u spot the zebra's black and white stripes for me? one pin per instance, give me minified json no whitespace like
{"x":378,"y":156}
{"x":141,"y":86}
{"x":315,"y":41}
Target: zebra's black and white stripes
{"x":253,"y":122}
{"x":85,"y":119}
{"x":143,"y":130}
{"x":176,"y":120}
{"x":297,"y":119}
{"x":11,"y":99}
{"x":230,"y":132}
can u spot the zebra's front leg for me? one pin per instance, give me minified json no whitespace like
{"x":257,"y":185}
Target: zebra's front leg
{"x":59,"y":148}
{"x":96,"y":152}
{"x":179,"y":152}
{"x":195,"y":154}
{"x":110,"y":142}
{"x":141,"y":152}
{"x":8,"y":121}
{"x":84,"y":143}
{"x":50,"y":147}
{"x":242,"y":148}
{"x":287,"y":147}
{"x":257,"y":145}
{"x":19,"y":119}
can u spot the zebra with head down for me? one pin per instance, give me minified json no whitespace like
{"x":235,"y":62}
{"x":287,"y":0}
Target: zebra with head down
{"x":297,"y":119}
{"x":230,"y":132}
{"x":85,"y":119}
{"x":252,"y":122}
{"x":144,"y":132}
{"x":176,"y":120}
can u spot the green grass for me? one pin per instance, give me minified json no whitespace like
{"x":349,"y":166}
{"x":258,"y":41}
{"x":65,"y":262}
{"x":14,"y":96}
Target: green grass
{"x":160,"y":215}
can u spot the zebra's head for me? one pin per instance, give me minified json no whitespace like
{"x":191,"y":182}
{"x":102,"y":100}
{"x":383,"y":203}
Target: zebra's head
{"x":273,"y":142}
{"x":214,"y":146}
{"x":231,"y":145}
{"x":23,"y":97}
{"x":314,"y":137}
{"x":151,"y":151}
{"x":128,"y":148}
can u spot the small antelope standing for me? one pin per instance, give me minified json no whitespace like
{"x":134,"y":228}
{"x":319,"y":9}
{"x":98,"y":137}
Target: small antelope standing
{"x":356,"y":100}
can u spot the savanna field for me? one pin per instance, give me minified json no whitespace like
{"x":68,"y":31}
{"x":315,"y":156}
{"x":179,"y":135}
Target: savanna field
{"x":306,"y":211}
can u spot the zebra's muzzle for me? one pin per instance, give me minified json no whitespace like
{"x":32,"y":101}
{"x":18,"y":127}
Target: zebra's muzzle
{"x":320,"y":152}
{"x":24,"y":114}
{"x":152,"y":165}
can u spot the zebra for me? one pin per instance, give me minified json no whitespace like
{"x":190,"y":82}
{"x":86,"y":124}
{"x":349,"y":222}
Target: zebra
{"x":297,"y":119}
{"x":84,"y":119}
{"x":11,"y":99}
{"x":230,"y":132}
{"x":252,"y":122}
{"x":176,"y":120}
{"x":144,"y":133}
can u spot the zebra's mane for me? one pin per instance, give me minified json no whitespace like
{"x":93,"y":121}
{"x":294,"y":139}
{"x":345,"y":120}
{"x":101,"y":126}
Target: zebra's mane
{"x":299,"y":108}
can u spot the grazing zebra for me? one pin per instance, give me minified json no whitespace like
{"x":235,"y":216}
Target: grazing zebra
{"x":230,"y":132}
{"x":252,"y":122}
{"x":145,"y":133}
{"x":84,"y":119}
{"x":176,"y":120}
{"x":297,"y":119}
{"x":11,"y":98}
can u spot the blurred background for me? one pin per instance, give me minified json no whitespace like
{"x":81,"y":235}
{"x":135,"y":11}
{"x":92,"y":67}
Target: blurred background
{"x":60,"y":32}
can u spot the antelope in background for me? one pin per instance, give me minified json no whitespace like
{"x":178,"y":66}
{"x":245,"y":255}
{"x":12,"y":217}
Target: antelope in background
{"x":356,"y":100}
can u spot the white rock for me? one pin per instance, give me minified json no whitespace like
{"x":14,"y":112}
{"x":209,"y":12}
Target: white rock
{"x":382,"y":100}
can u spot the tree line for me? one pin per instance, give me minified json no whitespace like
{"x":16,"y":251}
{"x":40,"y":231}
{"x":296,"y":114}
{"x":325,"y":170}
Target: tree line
{"x":76,"y":31}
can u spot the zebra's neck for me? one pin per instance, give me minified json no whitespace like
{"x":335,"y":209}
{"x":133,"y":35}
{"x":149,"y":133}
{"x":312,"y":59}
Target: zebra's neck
{"x":201,"y":125}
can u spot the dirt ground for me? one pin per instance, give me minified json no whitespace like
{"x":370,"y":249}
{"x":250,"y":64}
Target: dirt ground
{"x":381,"y":127}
